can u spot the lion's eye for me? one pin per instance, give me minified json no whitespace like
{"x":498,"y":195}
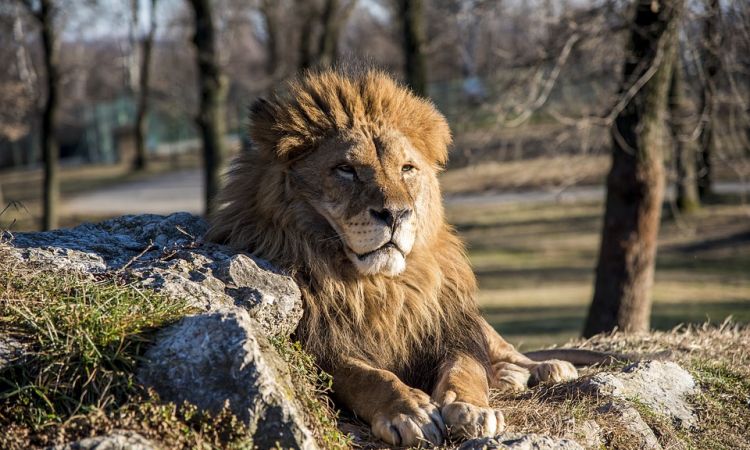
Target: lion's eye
{"x":407,"y":168}
{"x":345,"y":171}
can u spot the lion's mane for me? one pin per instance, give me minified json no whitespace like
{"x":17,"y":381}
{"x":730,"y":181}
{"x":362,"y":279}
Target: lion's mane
{"x":405,"y":324}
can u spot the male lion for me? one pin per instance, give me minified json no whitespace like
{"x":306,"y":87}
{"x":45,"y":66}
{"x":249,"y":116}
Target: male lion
{"x":340,"y":189}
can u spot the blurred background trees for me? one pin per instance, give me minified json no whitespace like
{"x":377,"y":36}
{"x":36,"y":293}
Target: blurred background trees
{"x":537,"y":92}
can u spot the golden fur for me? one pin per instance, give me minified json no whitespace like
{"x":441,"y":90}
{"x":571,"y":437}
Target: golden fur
{"x":339,"y":188}
{"x":385,"y":320}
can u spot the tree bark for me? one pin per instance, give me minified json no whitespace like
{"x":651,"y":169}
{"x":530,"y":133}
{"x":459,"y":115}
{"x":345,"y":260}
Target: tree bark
{"x":213,"y":95}
{"x":685,"y":153}
{"x":270,"y":14}
{"x":635,"y":184}
{"x":141,"y":157}
{"x":411,"y":12}
{"x":711,"y":64}
{"x":308,"y":14}
{"x":50,"y":150}
{"x":329,"y":34}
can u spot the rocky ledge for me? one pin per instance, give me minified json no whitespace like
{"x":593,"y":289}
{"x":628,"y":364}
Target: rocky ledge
{"x":221,"y":355}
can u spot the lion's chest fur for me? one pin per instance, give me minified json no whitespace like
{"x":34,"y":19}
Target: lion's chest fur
{"x":406,"y":324}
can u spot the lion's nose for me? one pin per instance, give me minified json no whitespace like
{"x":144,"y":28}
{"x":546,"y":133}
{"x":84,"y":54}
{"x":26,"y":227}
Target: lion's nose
{"x":390,"y":216}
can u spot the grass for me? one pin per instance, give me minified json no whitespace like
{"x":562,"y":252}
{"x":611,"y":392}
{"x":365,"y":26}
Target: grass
{"x":311,"y":388}
{"x":535,"y":264}
{"x":715,"y":355}
{"x":83,"y":338}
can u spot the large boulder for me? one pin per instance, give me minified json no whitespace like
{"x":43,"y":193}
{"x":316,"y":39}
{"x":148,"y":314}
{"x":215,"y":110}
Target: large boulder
{"x":520,"y":441}
{"x":222,"y":360}
{"x":662,"y":386}
{"x":219,"y":357}
{"x":117,"y":440}
{"x":167,"y":254}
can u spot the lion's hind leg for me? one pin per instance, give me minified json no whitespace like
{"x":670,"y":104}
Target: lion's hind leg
{"x":509,"y":377}
{"x":508,"y":365}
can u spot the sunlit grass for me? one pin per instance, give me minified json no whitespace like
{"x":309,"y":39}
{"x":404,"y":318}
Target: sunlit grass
{"x":535,"y":264}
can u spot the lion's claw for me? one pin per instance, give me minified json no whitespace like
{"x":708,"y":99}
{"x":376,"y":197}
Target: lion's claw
{"x":508,"y":377}
{"x":467,"y":421}
{"x":553,"y":370}
{"x":411,"y":421}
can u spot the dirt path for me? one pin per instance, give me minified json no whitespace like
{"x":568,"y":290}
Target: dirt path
{"x":183,"y":191}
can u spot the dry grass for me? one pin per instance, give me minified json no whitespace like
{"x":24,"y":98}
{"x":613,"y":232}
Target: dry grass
{"x":535,"y":263}
{"x":717,"y":356}
{"x":551,"y":173}
{"x":83,"y":339}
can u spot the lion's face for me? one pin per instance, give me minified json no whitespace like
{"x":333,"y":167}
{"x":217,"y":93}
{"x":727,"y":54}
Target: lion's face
{"x":373,"y":190}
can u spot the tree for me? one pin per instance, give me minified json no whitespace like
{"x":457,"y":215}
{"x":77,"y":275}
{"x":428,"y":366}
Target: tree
{"x":44,"y":11}
{"x":635,"y":184}
{"x":270,"y":11}
{"x":685,"y":155}
{"x":147,"y":44}
{"x":711,"y":65}
{"x":325,"y":22}
{"x":415,"y":68}
{"x":213,"y":91}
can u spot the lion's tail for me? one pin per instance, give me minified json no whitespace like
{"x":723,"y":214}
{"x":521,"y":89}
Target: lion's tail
{"x":581,"y":357}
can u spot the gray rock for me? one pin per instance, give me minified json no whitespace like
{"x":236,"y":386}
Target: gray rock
{"x":589,"y":434}
{"x":12,"y":352}
{"x":664,"y":387}
{"x":166,"y":253}
{"x":518,"y":441}
{"x":640,"y":435}
{"x":117,"y":440}
{"x":217,"y":359}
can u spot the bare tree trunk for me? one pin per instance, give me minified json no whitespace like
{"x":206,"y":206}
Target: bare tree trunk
{"x":213,"y":94}
{"x":684,"y":146}
{"x":412,"y":12}
{"x":635,"y":184}
{"x":50,"y":150}
{"x":141,"y":158}
{"x":329,"y":34}
{"x":271,"y":16}
{"x":308,"y":14}
{"x":333,"y":19}
{"x":711,"y":62}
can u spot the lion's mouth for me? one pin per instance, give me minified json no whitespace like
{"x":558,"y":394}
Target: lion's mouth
{"x":384,"y":247}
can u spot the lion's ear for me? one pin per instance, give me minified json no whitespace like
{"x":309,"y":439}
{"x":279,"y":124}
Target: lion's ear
{"x":272,"y":129}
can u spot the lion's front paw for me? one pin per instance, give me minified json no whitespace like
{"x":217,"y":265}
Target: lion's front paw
{"x":553,"y":370}
{"x":410,"y":421}
{"x":508,"y":377}
{"x":468,"y":421}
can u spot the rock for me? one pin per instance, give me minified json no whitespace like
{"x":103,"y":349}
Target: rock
{"x":516,"y":441}
{"x":166,"y":253}
{"x":12,"y":352}
{"x":640,"y":435}
{"x":117,"y":440}
{"x":661,"y":386}
{"x":217,"y":359}
{"x":589,"y":434}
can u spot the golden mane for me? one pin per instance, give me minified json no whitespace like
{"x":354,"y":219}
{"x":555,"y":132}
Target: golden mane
{"x":402,"y":323}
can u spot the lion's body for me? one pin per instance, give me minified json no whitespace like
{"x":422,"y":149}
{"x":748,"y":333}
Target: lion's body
{"x":403,"y":324}
{"x":405,"y":308}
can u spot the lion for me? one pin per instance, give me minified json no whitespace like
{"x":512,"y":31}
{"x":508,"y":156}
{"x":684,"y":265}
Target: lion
{"x":340,"y":189}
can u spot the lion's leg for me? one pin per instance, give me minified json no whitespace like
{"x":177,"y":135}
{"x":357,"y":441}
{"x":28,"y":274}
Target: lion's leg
{"x":512,"y":370}
{"x":462,"y":392}
{"x":397,"y":413}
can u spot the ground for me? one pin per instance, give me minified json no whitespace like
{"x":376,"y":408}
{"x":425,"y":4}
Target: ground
{"x":533,"y":244}
{"x":532,"y":236}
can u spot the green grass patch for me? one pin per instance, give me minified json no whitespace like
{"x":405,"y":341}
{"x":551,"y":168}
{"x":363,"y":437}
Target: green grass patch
{"x":311,"y":387}
{"x":83,"y":339}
